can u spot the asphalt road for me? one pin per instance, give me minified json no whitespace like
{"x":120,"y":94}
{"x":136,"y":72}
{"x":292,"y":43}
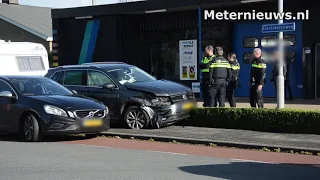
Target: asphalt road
{"x":70,"y":161}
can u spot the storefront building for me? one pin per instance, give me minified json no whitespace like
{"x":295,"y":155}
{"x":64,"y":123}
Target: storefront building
{"x":150,"y":35}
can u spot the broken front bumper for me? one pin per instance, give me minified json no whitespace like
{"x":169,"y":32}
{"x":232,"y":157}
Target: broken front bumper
{"x":167,"y":115}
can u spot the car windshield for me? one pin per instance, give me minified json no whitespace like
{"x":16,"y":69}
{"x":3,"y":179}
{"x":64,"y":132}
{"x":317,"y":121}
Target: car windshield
{"x":130,"y":75}
{"x":39,"y":86}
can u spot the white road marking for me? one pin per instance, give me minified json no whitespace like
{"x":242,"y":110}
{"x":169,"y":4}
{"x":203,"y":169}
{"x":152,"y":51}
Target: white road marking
{"x":245,"y":160}
{"x":94,"y":146}
{"x":133,"y":149}
{"x":169,"y":153}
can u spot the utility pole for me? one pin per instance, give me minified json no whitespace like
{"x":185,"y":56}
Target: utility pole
{"x":280,"y":78}
{"x":93,"y":2}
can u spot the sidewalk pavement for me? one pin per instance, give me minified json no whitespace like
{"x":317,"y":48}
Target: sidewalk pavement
{"x":307,"y":104}
{"x":225,"y":137}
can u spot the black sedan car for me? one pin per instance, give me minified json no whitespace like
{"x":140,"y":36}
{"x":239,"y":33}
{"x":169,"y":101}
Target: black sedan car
{"x":133,"y":96}
{"x":37,"y":106}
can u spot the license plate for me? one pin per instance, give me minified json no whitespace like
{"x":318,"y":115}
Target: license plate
{"x":93,"y":123}
{"x":188,"y":106}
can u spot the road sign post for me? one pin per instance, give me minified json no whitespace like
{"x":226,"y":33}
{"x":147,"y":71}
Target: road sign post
{"x":280,"y":28}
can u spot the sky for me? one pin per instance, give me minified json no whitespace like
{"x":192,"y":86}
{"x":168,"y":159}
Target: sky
{"x":64,"y":3}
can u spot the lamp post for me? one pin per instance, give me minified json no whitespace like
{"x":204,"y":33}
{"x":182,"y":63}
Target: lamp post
{"x":280,"y":78}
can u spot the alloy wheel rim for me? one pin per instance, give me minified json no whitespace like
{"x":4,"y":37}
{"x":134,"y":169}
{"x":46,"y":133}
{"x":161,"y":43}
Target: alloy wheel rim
{"x":135,"y":119}
{"x":28,"y":128}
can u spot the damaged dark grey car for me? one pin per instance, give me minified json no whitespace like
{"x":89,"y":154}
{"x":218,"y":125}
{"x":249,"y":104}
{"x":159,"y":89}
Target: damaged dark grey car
{"x":133,"y":96}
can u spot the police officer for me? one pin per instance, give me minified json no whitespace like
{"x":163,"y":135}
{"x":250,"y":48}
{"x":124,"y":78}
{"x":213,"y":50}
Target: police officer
{"x":257,"y":79}
{"x":205,"y":81}
{"x":220,"y":73}
{"x":235,"y":67}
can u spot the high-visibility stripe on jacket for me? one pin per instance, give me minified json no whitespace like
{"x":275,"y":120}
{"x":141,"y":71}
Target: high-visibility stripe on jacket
{"x":258,"y":71}
{"x":235,"y":67}
{"x":260,"y":66}
{"x":207,"y":60}
{"x":220,"y":68}
{"x":220,"y":65}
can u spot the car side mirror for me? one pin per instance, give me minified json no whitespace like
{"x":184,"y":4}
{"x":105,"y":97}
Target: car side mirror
{"x":109,"y":86}
{"x":6,"y":94}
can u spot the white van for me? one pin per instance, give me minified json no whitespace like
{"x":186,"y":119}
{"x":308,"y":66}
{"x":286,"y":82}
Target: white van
{"x":23,"y":58}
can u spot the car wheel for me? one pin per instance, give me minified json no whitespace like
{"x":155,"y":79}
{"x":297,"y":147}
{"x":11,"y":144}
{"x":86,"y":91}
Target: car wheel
{"x":31,"y":130}
{"x":91,"y":136}
{"x":135,"y":118}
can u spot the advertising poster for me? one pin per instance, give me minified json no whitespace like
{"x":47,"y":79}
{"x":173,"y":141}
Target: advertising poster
{"x":188,"y":59}
{"x":192,"y":74}
{"x":184,"y":72}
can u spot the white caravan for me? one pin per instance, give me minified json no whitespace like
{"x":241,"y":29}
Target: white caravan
{"x":23,"y":58}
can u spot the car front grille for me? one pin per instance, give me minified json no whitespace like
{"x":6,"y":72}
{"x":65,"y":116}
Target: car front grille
{"x":90,"y":113}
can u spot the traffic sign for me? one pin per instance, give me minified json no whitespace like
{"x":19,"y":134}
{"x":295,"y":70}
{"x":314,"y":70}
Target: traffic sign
{"x":285,"y":27}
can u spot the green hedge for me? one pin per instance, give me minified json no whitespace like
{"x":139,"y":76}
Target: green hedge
{"x":267,"y":120}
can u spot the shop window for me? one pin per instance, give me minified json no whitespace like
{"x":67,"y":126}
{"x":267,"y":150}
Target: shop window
{"x":247,"y":58}
{"x":268,"y":41}
{"x":165,"y":61}
{"x":290,"y":39}
{"x":250,"y":42}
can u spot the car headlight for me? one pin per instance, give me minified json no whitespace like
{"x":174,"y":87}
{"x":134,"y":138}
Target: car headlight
{"x":142,"y":101}
{"x":54,"y":110}
{"x":191,"y":95}
{"x":107,"y":110}
{"x":161,"y":101}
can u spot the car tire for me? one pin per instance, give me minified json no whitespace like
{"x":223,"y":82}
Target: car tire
{"x":135,"y":118}
{"x":91,"y":136}
{"x":31,"y":129}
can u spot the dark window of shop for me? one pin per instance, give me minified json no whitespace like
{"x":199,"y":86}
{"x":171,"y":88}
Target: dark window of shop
{"x":247,"y":57}
{"x":268,"y":41}
{"x":74,"y":78}
{"x":165,"y":61}
{"x":250,"y":42}
{"x":290,"y":39}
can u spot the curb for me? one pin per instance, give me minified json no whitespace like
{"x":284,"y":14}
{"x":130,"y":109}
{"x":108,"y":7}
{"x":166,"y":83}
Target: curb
{"x":242,"y":145}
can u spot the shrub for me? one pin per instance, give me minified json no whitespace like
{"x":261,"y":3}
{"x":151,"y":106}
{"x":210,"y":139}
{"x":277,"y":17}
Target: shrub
{"x":268,"y":120}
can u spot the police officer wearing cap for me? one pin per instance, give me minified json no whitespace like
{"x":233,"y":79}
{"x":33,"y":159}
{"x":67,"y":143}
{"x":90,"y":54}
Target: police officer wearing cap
{"x":220,"y":74}
{"x":205,"y":81}
{"x":257,"y":79}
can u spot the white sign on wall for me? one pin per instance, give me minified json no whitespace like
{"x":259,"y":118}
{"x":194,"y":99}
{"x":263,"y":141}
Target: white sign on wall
{"x":188,"y":59}
{"x":196,"y":87}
